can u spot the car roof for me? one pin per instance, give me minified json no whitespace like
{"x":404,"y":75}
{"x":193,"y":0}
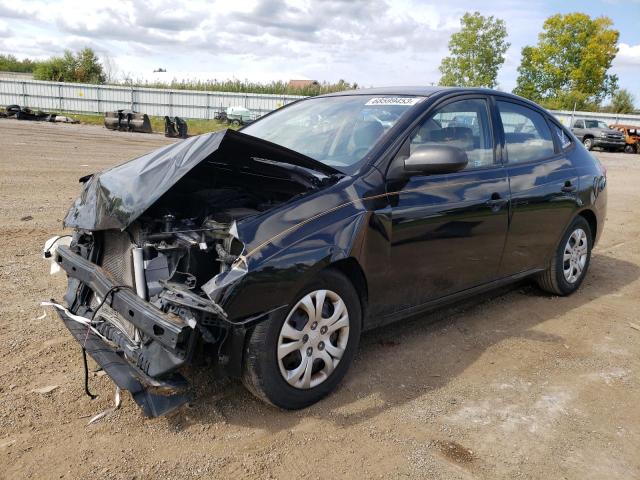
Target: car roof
{"x":424,"y":91}
{"x":415,"y":91}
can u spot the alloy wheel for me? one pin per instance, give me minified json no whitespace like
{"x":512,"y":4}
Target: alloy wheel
{"x":575,"y":254}
{"x":313,"y":339}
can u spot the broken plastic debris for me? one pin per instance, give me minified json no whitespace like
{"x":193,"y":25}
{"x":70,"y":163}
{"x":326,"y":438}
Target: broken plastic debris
{"x":45,"y":390}
{"x":44,"y":314}
{"x":76,"y":318}
{"x":108,"y":411}
{"x":49,"y":250}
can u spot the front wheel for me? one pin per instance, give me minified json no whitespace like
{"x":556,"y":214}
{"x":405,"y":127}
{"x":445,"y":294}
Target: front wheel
{"x":588,"y":143}
{"x":630,"y":149}
{"x":296,"y":359}
{"x":571,"y":260}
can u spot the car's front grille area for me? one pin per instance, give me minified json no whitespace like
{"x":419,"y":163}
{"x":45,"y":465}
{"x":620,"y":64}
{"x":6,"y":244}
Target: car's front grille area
{"x":614,"y":137}
{"x":118,"y":262}
{"x":116,"y":256}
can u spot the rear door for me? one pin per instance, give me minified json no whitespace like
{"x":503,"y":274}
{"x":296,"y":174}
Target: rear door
{"x":543,"y":185}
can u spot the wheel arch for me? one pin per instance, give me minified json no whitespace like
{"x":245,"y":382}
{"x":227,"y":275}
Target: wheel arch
{"x":592,"y":220}
{"x":350,"y":268}
{"x":588,"y":135}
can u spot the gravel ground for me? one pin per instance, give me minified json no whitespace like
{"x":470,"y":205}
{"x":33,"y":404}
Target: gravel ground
{"x":515,"y":384}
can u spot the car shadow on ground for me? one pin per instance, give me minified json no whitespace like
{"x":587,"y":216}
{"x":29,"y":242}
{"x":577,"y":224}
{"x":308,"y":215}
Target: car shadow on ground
{"x":401,"y":362}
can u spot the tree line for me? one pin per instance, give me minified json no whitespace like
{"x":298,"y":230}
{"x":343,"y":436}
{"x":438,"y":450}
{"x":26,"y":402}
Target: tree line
{"x":567,"y":68}
{"x":85,"y":67}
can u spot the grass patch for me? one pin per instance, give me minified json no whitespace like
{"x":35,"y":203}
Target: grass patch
{"x":196,"y":125}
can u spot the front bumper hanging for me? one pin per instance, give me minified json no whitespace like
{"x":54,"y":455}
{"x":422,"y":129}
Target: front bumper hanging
{"x":155,"y":397}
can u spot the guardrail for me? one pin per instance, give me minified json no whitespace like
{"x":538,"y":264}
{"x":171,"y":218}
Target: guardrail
{"x":88,"y":98}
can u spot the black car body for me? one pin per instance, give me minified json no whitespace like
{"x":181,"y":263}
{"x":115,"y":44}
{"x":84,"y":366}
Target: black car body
{"x":230,"y":229}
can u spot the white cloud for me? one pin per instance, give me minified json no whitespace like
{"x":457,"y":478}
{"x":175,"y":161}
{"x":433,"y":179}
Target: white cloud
{"x":628,"y":56}
{"x":373,"y":42}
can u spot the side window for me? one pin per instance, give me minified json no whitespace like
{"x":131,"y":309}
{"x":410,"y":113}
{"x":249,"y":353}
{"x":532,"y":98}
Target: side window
{"x":578,"y":124}
{"x":463,"y":124}
{"x":526,"y":133}
{"x":565,"y":140}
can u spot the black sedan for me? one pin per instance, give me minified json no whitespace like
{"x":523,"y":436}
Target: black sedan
{"x":264,"y":254}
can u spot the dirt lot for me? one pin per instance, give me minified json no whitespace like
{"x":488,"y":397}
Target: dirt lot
{"x":515,"y":384}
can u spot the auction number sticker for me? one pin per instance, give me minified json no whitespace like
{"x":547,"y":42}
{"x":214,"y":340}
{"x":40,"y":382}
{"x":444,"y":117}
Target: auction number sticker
{"x":394,"y":101}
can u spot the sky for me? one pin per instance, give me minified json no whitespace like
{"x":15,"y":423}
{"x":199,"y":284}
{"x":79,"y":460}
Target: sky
{"x":371,"y":42}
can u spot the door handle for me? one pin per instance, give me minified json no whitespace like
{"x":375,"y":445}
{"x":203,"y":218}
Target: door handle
{"x":496,"y":201}
{"x":568,"y":187}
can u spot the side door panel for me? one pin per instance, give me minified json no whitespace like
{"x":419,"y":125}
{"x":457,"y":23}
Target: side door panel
{"x":540,"y":208}
{"x":447,"y":231}
{"x":543,"y":191}
{"x":447,"y":235}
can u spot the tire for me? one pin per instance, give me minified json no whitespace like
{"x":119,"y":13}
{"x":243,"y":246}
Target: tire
{"x":555,"y":280}
{"x":264,"y":372}
{"x":588,"y":143}
{"x":630,"y":149}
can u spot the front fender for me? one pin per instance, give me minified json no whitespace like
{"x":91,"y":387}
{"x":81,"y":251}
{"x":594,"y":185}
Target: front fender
{"x":274,"y":280}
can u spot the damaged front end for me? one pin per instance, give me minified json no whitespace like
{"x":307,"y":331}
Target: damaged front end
{"x":155,"y":246}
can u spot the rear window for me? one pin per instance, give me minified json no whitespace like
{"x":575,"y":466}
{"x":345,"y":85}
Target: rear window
{"x":564,"y":139}
{"x":526,"y":133}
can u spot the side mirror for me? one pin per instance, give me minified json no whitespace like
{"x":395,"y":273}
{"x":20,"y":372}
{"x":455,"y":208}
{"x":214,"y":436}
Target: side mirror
{"x":432,"y":159}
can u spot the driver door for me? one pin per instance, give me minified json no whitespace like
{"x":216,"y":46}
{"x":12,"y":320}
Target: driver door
{"x":448,"y":230}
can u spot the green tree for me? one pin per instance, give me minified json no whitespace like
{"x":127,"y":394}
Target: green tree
{"x":9,"y":63}
{"x":83,"y":66}
{"x":476,"y":52}
{"x":622,"y":101}
{"x":569,"y":64}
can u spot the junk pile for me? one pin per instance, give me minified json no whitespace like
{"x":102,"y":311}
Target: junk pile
{"x":175,"y":127}
{"x":128,"y":121}
{"x":25,"y":113}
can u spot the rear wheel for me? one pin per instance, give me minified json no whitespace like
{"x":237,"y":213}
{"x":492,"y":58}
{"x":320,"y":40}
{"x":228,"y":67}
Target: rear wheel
{"x":571,"y":260}
{"x":588,"y":143}
{"x":295,"y":360}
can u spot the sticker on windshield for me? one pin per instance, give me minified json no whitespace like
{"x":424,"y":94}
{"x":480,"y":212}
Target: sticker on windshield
{"x":393,"y":101}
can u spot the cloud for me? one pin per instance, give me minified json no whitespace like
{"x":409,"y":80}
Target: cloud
{"x":169,"y":17}
{"x":8,"y":12}
{"x":373,"y":42}
{"x":628,"y":56}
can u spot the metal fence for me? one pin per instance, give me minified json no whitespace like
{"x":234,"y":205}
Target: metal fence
{"x":566,"y":116}
{"x":87,"y":98}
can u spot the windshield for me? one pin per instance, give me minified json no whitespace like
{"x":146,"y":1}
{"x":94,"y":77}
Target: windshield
{"x":595,"y":124}
{"x":337,"y":131}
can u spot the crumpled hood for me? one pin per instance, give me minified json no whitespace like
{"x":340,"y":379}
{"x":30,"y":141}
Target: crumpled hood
{"x":114,"y":198}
